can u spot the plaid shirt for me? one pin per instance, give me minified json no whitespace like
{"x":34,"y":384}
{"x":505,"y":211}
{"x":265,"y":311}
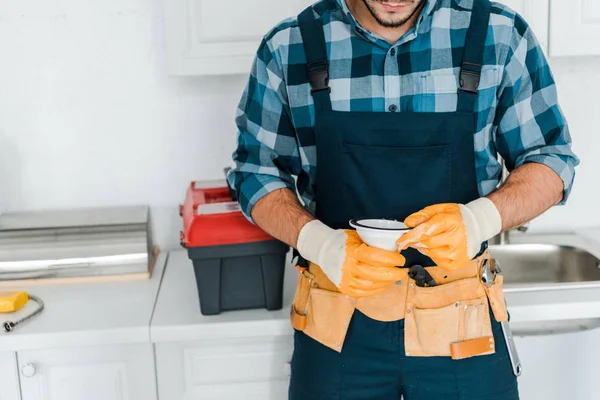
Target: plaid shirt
{"x":518,"y":115}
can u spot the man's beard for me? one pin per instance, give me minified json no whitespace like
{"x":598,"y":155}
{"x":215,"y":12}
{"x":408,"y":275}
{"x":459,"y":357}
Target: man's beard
{"x":392,"y":23}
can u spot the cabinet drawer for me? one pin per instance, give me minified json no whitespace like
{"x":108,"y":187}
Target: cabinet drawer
{"x":256,"y":368}
{"x":91,"y":373}
{"x":574,"y":28}
{"x":205,"y":37}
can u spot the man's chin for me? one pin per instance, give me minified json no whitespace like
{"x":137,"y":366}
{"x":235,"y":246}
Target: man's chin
{"x":390,"y":20}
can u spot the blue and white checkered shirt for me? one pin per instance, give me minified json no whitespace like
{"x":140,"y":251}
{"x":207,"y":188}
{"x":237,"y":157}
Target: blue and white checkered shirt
{"x":518,"y":115}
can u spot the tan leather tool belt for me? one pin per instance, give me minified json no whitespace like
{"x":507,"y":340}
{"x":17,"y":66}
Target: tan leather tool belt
{"x":450,"y":319}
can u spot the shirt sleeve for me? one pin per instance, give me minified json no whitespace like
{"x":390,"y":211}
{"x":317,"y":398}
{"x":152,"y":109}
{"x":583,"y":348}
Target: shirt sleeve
{"x":531,"y":125}
{"x":266,"y":156}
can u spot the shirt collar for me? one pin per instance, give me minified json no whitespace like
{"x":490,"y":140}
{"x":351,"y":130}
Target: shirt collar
{"x":429,"y":7}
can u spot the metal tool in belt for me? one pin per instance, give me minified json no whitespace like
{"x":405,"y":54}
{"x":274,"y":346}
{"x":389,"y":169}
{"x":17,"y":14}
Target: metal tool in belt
{"x":488,"y":277}
{"x":421,"y":276}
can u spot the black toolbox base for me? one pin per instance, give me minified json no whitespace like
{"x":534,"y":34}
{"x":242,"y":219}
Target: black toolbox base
{"x":240,"y":276}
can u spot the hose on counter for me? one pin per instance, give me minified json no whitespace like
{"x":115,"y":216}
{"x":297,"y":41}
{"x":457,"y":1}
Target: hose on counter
{"x":9,"y":326}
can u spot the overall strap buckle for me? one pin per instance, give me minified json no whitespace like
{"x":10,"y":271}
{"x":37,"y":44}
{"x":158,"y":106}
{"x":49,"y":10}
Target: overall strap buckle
{"x":470,"y":77}
{"x":318,"y":76}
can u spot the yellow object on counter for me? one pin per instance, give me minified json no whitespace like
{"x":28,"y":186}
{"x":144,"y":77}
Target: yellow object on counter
{"x":11,"y":301}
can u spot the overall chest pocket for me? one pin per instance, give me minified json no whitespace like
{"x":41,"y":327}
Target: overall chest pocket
{"x":392,"y":182}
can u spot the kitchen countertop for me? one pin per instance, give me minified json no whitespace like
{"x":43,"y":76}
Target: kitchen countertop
{"x":177,"y":316}
{"x":137,"y":312}
{"x":87,"y":314}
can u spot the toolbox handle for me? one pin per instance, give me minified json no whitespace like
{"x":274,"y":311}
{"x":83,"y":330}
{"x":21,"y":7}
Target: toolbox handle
{"x":218,"y":208}
{"x":209,"y":184}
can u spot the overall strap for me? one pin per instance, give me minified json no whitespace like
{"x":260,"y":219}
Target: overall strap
{"x":317,"y":67}
{"x":470,"y":72}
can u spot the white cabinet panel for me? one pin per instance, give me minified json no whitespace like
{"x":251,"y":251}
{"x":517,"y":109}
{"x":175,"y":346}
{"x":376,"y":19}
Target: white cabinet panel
{"x":9,"y":380}
{"x":562,"y":366}
{"x":93,"y":373}
{"x":575,"y":28}
{"x":536,"y":13}
{"x":252,"y":369}
{"x":206,"y":37}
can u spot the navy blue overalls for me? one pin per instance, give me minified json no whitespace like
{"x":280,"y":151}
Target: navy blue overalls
{"x":390,"y":165}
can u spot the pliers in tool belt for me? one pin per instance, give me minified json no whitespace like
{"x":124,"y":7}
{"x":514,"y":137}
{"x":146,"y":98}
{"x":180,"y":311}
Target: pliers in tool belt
{"x":421,"y":276}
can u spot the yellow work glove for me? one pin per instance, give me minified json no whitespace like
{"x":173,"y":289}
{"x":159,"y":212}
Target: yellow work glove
{"x":355,"y":268}
{"x":452,"y":234}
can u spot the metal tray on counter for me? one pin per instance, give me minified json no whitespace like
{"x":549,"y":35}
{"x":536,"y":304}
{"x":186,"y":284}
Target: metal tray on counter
{"x":75,"y":243}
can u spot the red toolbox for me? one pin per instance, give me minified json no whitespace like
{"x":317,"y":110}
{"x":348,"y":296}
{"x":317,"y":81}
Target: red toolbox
{"x":237,"y":265}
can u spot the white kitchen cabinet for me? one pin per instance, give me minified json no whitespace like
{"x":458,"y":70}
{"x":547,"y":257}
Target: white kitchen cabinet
{"x":9,"y":380}
{"x":575,"y":28}
{"x":235,"y":355}
{"x":90,"y":373}
{"x":245,"y":368}
{"x":562,"y":366}
{"x":536,"y":13}
{"x":207,"y":37}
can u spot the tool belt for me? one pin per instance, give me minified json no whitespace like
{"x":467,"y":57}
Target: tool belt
{"x":450,"y":319}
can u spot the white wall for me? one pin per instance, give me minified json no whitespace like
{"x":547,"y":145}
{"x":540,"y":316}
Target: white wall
{"x":578,"y":81}
{"x":88,"y":115}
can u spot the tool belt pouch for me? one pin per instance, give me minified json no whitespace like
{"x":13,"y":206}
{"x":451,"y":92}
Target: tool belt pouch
{"x":452,"y":320}
{"x":299,"y":305}
{"x":496,"y":299}
{"x":321,"y":314}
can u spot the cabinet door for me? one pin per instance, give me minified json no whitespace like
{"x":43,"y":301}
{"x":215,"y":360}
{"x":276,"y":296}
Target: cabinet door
{"x":9,"y":380}
{"x":561,"y":366}
{"x":536,"y":13}
{"x":207,"y":37}
{"x":575,"y":28}
{"x":249,"y":369}
{"x":94,"y":373}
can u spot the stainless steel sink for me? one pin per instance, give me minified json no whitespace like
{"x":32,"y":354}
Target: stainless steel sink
{"x":539,"y":266}
{"x":557,"y":275}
